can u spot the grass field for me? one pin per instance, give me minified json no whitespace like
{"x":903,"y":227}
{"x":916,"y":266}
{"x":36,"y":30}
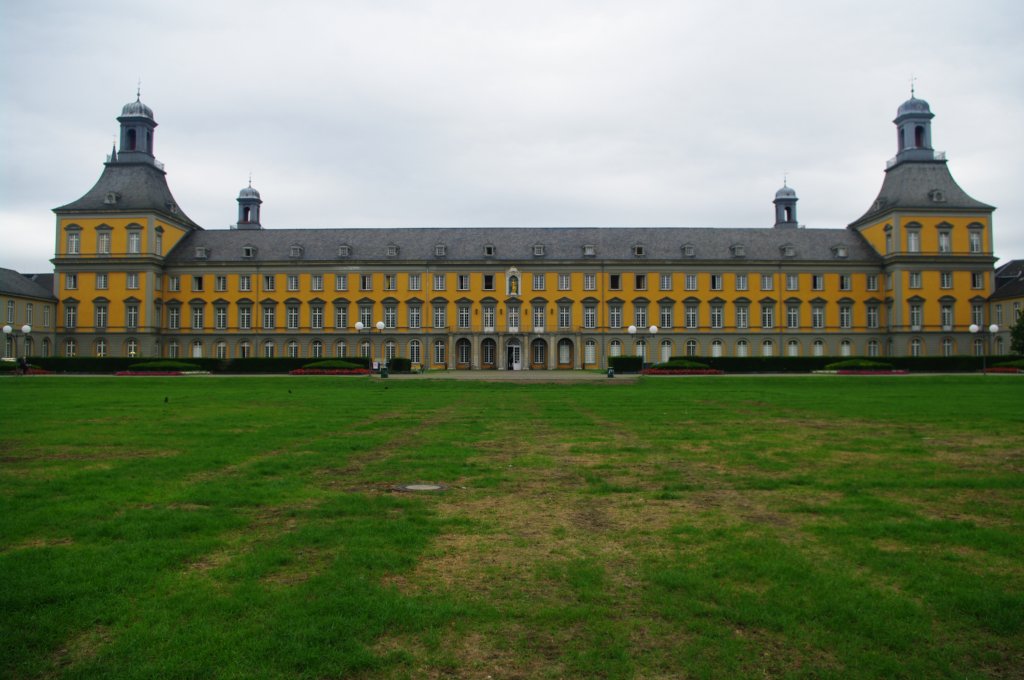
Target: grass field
{"x":702,"y":527}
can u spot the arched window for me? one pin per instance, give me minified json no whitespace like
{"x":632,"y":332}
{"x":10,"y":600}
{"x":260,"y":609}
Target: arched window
{"x":414,"y":351}
{"x":70,"y":347}
{"x":616,"y":348}
{"x":132,"y":347}
{"x":244,"y":349}
{"x":947,"y":347}
{"x":915,"y":347}
{"x":489,"y":349}
{"x":268,"y":349}
{"x":222,"y":350}
{"x":101,"y":348}
{"x":793,"y":348}
{"x":845,"y":348}
{"x":767,"y":348}
{"x":819,"y":348}
{"x":364,"y":348}
{"x":716,"y":348}
{"x":463,"y":352}
{"x":641,"y":349}
{"x":440,"y":352}
{"x":979,"y":347}
{"x":389,"y":350}
{"x":46,"y":347}
{"x":666,"y":350}
{"x":691,"y":348}
{"x":316,"y":349}
{"x":197,"y":349}
{"x":590,"y":352}
{"x":132,"y":141}
{"x":340,"y":349}
{"x":872,"y":348}
{"x":293,"y":349}
{"x":919,"y":136}
{"x":741,"y":348}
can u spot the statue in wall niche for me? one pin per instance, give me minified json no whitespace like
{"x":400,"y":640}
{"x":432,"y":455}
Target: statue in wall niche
{"x":513,"y":285}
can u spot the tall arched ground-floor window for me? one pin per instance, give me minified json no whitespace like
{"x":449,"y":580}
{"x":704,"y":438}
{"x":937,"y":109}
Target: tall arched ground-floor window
{"x":793,"y":348}
{"x":666,"y":350}
{"x":742,"y":348}
{"x":415,"y":352}
{"x":716,"y":348}
{"x":767,"y":348}
{"x":538,"y":354}
{"x":590,"y":352}
{"x":463,"y":353}
{"x":845,"y":348}
{"x":565,"y":353}
{"x":489,"y":353}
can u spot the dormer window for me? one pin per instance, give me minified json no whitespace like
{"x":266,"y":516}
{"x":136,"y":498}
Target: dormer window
{"x":295,"y":252}
{"x":839,"y":251}
{"x":738,"y":250}
{"x":788,"y":250}
{"x":936,"y":196}
{"x":248,"y":252}
{"x":688,"y":250}
{"x":110,"y":198}
{"x":391,"y":250}
{"x":638,"y":250}
{"x":589,"y":251}
{"x":201,"y":253}
{"x":488,"y":250}
{"x":344,"y":251}
{"x":440,"y":250}
{"x":538,"y":250}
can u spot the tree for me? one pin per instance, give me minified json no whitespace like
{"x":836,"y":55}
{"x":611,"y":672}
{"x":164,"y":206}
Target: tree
{"x":1017,"y":336}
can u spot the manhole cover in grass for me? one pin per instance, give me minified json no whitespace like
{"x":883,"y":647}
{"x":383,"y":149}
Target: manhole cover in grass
{"x":419,"y":487}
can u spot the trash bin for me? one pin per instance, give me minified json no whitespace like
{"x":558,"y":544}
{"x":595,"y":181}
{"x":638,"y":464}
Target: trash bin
{"x":384,"y":371}
{"x":611,"y":372}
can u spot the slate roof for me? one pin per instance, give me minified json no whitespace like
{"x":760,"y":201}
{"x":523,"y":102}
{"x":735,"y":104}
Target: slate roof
{"x":516,"y":245}
{"x":1009,"y":281}
{"x":13,"y":283}
{"x":138,"y":186}
{"x":912,"y":185}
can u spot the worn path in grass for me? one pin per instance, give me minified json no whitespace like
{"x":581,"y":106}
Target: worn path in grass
{"x":817,"y":527}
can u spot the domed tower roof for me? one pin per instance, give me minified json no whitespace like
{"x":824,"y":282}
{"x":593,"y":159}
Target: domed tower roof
{"x":249,"y":208}
{"x":137,"y":108}
{"x":785,"y":206}
{"x":913,"y":105}
{"x":248,"y":192}
{"x":786,"y":192}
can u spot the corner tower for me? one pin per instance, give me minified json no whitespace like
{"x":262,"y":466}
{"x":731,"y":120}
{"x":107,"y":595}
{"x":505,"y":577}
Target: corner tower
{"x":249,"y":203}
{"x":785,"y":207}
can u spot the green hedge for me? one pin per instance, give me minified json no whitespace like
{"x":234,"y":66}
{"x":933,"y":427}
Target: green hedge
{"x":626,"y":364}
{"x":400,"y":365}
{"x":955,"y":364}
{"x":859,"y":365}
{"x":1019,"y":363}
{"x":680,"y":363}
{"x":165,"y":365}
{"x":332,"y":364}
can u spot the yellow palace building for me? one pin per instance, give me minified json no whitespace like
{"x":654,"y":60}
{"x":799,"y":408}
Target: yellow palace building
{"x":136,"y":277}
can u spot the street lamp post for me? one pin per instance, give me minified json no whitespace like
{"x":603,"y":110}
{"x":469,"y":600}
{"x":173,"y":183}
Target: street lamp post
{"x":990,"y":331}
{"x":10,"y":332}
{"x":360,"y":327}
{"x":653,"y":330}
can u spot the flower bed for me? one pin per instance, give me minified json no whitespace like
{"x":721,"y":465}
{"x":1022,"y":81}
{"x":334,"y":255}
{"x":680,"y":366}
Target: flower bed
{"x":682,"y":371}
{"x":330,"y":371}
{"x":870,"y":372}
{"x":162,"y":373}
{"x":1003,"y":369}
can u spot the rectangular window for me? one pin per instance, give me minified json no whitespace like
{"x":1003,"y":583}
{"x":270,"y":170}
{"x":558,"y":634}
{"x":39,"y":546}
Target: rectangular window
{"x":293,"y":282}
{"x":440,"y":316}
{"x":564,"y":282}
{"x":291,"y":317}
{"x":690,"y":316}
{"x":131,"y":316}
{"x":818,"y":316}
{"x":716,"y":282}
{"x":390,"y":282}
{"x":269,"y":318}
{"x":565,"y":316}
{"x":913,"y":241}
{"x":74,"y":243}
{"x":845,"y":316}
{"x":244,"y":283}
{"x":690,"y":282}
{"x":945,"y":242}
{"x":665,"y":316}
{"x":977,"y":280}
{"x":244,"y":318}
{"x":220,"y":317}
{"x":71,"y":281}
{"x":415,"y":282}
{"x":101,"y":282}
{"x":872,"y":316}
{"x":978,"y":315}
{"x":439,"y":351}
{"x":767,"y":316}
{"x":817,"y":282}
{"x":792,"y":282}
{"x":844,"y":282}
{"x":741,"y":282}
{"x":665,"y":282}
{"x":640,"y":316}
{"x":589,"y":316}
{"x":366,"y":282}
{"x":590,"y":282}
{"x":439,"y":282}
{"x":915,"y":316}
{"x":999,"y":314}
{"x":10,"y":311}
{"x":792,"y":316}
{"x":220,"y":283}
{"x":615,"y":282}
{"x":415,"y":317}
{"x":872,"y":282}
{"x":513,"y":316}
{"x":70,"y":316}
{"x":488,"y":281}
{"x":538,"y":318}
{"x":946,"y":280}
{"x":488,"y":317}
{"x":717,"y":314}
{"x":915,"y":280}
{"x":134,"y":242}
{"x":946,"y":316}
{"x":341,"y":282}
{"x":316,"y":282}
{"x":742,"y":317}
{"x":103,"y":243}
{"x":975,"y":241}
{"x":341,"y":316}
{"x":463,"y":316}
{"x":767,"y":282}
{"x":640,"y":282}
{"x":462,"y":281}
{"x":316,"y":317}
{"x":173,"y":318}
{"x":615,"y":316}
{"x":198,"y":318}
{"x":269,"y":282}
{"x":538,"y":282}
{"x":366,"y":316}
{"x":197,"y":284}
{"x":29,"y":307}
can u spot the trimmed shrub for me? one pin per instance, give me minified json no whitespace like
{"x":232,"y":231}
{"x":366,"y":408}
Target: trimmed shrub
{"x":680,"y":364}
{"x":1019,"y":363}
{"x":400,"y":365}
{"x":165,"y":365}
{"x":331,"y":364}
{"x":858,"y":365}
{"x":626,"y":364}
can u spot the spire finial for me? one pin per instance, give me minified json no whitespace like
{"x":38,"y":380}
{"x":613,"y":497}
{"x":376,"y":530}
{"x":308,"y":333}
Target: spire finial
{"x":138,"y":90}
{"x":785,"y":178}
{"x":250,"y":179}
{"x":913,"y":79}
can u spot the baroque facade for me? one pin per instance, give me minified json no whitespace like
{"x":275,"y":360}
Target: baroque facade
{"x":136,"y":277}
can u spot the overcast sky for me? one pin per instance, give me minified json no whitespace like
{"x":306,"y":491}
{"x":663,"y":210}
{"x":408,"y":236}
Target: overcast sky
{"x":487,"y":114}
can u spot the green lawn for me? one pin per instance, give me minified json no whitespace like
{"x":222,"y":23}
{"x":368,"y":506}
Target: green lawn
{"x":818,"y":526}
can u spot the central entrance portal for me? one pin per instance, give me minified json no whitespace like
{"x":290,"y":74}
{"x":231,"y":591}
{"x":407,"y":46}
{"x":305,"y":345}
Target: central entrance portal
{"x":514,"y":356}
